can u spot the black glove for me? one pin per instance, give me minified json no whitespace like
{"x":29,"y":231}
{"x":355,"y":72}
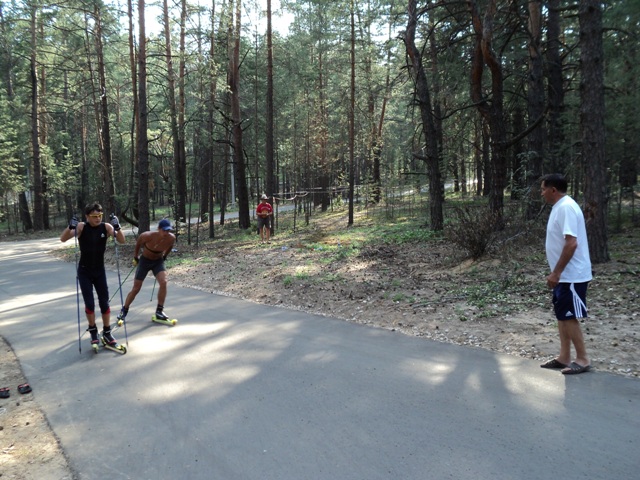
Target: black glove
{"x":73,"y":223}
{"x":115,"y":223}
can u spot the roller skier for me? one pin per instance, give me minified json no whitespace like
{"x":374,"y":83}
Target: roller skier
{"x":92,"y":235}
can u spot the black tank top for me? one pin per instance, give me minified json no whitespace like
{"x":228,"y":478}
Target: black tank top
{"x":93,"y":243}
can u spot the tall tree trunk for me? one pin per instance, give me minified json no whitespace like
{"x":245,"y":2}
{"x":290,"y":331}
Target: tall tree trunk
{"x":135,"y":117}
{"x":174,"y":113}
{"x":181,"y":168}
{"x":44,"y":136}
{"x":143,"y":114}
{"x":493,"y":111}
{"x":555,"y":89}
{"x":104,"y":132}
{"x":236,"y":114}
{"x":209,"y":191}
{"x":270,"y":183}
{"x":423,"y":95}
{"x":535,"y":104}
{"x":592,"y":113}
{"x":38,"y":210}
{"x":352,"y":114}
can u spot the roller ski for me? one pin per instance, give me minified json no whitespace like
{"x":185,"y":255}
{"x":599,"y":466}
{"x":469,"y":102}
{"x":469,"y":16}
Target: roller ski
{"x":110,"y":343}
{"x":122,"y":316}
{"x":160,"y":317}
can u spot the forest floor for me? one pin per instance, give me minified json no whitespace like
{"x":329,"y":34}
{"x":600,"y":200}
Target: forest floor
{"x":424,"y":289}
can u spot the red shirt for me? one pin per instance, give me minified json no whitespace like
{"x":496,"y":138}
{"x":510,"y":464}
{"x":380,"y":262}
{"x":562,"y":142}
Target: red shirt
{"x":264,"y":209}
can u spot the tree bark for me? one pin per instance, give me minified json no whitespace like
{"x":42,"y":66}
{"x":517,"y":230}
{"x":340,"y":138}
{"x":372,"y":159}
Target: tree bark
{"x":352,"y":108}
{"x":236,"y":114}
{"x":104,"y":132}
{"x":592,"y":112}
{"x":492,"y":110}
{"x":142,"y":145}
{"x":38,"y":211}
{"x":535,"y":105}
{"x":423,"y":95}
{"x":270,"y":183}
{"x":555,"y":89}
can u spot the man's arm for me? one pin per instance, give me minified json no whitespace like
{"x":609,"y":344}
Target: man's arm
{"x":569,"y":248}
{"x":119,"y":234}
{"x":68,"y":233}
{"x":139,"y":244}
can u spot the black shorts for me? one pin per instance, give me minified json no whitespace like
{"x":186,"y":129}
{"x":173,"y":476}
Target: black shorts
{"x":145,"y":265}
{"x":263,"y":222}
{"x":570,"y":300}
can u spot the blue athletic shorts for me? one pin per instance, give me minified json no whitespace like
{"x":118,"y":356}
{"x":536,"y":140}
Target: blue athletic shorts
{"x":570,"y":300}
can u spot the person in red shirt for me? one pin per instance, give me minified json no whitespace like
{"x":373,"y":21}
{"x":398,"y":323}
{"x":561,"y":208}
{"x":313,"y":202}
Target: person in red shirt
{"x":264,"y":211}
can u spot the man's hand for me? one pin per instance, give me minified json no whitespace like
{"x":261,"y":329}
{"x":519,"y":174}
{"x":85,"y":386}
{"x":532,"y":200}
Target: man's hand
{"x":115,"y":222}
{"x":73,"y":223}
{"x":135,"y":261}
{"x":552,"y":280}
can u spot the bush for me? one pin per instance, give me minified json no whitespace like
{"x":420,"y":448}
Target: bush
{"x":473,"y":229}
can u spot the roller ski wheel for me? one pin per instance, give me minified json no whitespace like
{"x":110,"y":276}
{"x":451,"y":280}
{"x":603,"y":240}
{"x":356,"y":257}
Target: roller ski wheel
{"x":165,"y":321}
{"x":95,"y":347}
{"x":121,"y":349}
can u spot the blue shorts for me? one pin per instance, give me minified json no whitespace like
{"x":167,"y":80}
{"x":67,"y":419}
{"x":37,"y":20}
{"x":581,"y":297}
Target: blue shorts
{"x":570,"y":300}
{"x":145,"y":265}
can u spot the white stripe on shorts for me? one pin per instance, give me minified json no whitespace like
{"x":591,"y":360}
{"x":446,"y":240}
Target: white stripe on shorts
{"x":579,"y":306}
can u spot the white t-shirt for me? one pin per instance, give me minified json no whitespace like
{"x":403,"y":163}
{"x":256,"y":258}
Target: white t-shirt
{"x":567,"y":219}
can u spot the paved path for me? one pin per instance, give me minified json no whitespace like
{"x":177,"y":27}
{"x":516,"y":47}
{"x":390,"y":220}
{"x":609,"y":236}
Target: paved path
{"x":240,"y":391}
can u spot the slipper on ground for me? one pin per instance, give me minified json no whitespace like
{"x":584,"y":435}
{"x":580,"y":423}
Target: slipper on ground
{"x":24,"y":388}
{"x":4,"y":392}
{"x":554,"y":364}
{"x":576,"y":368}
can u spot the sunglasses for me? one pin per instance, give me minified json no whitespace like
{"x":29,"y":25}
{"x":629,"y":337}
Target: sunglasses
{"x":95,"y":215}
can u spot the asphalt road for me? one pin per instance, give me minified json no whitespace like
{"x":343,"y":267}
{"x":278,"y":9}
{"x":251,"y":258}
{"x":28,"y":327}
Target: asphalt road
{"x":241,"y":391}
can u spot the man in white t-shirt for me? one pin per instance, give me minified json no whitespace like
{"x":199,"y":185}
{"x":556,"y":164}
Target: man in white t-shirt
{"x":568,"y":256}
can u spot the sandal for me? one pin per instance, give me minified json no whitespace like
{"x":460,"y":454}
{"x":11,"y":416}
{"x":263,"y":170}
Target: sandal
{"x":576,"y":368}
{"x":553,"y":364}
{"x":4,"y":392}
{"x":24,"y":388}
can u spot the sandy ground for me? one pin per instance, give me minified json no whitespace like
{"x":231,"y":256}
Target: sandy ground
{"x":499,"y":303}
{"x":28,"y":448}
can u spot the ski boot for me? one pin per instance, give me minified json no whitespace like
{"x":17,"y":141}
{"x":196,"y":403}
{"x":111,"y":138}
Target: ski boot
{"x":160,"y":317}
{"x":122,"y":315}
{"x":94,"y":338}
{"x":110,"y":343}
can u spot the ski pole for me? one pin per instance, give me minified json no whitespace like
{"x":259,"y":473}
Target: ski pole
{"x":75,"y":236}
{"x":124,"y":281}
{"x":154,"y":289}
{"x":124,"y":322}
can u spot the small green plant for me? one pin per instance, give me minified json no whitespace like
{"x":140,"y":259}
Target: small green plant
{"x":288,"y":281}
{"x":401,"y":297}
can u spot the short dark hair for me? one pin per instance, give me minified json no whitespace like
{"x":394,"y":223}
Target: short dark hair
{"x":555,"y":180}
{"x":91,"y":207}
